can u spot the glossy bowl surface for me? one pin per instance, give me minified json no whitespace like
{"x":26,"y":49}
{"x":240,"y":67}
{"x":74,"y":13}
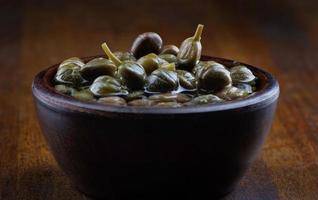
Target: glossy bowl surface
{"x":114,"y":152}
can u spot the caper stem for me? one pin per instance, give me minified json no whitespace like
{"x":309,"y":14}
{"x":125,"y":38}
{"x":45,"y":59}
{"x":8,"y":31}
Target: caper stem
{"x":198,"y":33}
{"x":110,"y":55}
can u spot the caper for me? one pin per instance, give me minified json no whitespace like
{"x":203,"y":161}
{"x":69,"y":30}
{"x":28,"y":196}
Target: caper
{"x":69,"y":74}
{"x":186,"y":80}
{"x":168,"y":97}
{"x":135,"y":95}
{"x":74,"y":60}
{"x":150,"y":62}
{"x":214,"y":78}
{"x":204,"y":99}
{"x":98,"y":67}
{"x":190,"y":50}
{"x":168,"y":66}
{"x":202,"y":64}
{"x":231,"y":93}
{"x":169,"y":58}
{"x":168,"y":105}
{"x":170,"y":49}
{"x":142,"y":102}
{"x":84,"y":95}
{"x":125,"y":56}
{"x":118,"y":101}
{"x":131,"y":73}
{"x":146,"y":43}
{"x":106,"y":86}
{"x":64,"y":89}
{"x":162,"y":80}
{"x":244,"y":86}
{"x":241,"y":74}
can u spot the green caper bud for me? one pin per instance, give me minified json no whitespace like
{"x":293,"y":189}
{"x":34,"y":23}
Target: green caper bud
{"x":168,"y":66}
{"x":168,"y":105}
{"x":190,"y":51}
{"x":98,"y":67}
{"x":125,"y":56}
{"x":69,"y":74}
{"x":170,"y":58}
{"x":244,"y":86}
{"x":84,"y":95}
{"x":146,"y":43}
{"x":133,"y":75}
{"x":149,"y":62}
{"x":187,"y":80}
{"x":162,"y":80}
{"x":118,"y":101}
{"x":241,"y":74}
{"x":74,"y":60}
{"x":142,"y":102}
{"x":129,"y":72}
{"x":107,"y":86}
{"x":231,"y":93}
{"x":64,"y":89}
{"x":202,"y":64}
{"x":204,"y":99}
{"x":168,"y":97}
{"x":214,"y":78}
{"x":170,"y":49}
{"x":135,"y":95}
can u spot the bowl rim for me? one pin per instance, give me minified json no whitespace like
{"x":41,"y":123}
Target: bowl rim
{"x":44,"y":93}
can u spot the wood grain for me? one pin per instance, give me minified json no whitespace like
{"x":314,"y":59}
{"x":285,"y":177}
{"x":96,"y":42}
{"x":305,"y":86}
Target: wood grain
{"x":280,"y":36}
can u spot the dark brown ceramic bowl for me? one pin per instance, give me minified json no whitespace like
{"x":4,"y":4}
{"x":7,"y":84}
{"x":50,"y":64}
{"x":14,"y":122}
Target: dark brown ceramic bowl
{"x":112,"y":152}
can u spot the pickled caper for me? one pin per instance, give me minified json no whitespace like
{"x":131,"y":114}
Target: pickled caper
{"x":98,"y":67}
{"x":150,"y":62}
{"x":69,"y":74}
{"x":146,"y":43}
{"x":162,"y":80}
{"x":168,"y":104}
{"x":135,"y":95}
{"x":106,"y":86}
{"x":186,"y":80}
{"x":84,"y":95}
{"x":232,"y":93}
{"x":204,"y":99}
{"x":244,"y":86}
{"x":190,"y":50}
{"x":170,"y":49}
{"x":131,"y":73}
{"x":125,"y":56}
{"x":169,"y":58}
{"x":118,"y":101}
{"x":168,"y":66}
{"x":74,"y":60}
{"x":142,"y":102}
{"x":64,"y":89}
{"x":168,"y":97}
{"x":214,"y":78}
{"x":241,"y":74}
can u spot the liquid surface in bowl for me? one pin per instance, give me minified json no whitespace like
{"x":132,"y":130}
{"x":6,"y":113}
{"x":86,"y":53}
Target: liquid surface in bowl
{"x":154,"y":75}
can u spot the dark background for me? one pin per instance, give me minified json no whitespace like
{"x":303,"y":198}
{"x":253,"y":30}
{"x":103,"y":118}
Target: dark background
{"x":280,"y":36}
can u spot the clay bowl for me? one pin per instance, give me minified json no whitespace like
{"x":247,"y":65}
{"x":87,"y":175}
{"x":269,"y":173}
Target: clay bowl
{"x":112,"y":152}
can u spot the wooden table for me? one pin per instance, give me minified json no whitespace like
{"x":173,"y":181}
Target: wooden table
{"x":280,"y":36}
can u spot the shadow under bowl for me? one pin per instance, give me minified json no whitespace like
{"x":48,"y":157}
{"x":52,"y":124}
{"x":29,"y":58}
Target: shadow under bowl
{"x":113,"y":152}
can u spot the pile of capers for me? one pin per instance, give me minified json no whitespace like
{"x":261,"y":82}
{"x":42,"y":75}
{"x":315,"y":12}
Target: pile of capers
{"x":154,"y":75}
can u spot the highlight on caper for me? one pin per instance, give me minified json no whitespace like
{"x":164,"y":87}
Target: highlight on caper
{"x":155,"y":75}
